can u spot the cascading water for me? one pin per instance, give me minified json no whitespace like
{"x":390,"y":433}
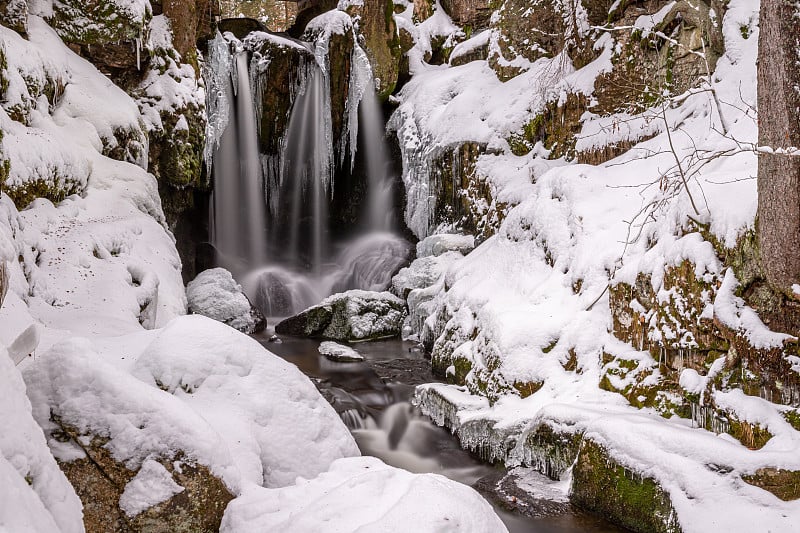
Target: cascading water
{"x":238,"y":220}
{"x":272,"y":218}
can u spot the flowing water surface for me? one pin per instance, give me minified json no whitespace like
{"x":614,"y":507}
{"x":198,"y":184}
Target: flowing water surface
{"x":373,"y":399}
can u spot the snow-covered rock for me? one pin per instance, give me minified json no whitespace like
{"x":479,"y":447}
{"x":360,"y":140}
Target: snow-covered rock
{"x":215,"y":294}
{"x":354,"y":315}
{"x":441,"y":243}
{"x":364,"y":494}
{"x":338,"y":352}
{"x":34,"y":494}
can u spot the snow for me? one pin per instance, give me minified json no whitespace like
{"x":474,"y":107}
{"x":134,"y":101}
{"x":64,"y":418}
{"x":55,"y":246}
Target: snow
{"x":472,"y":44}
{"x":436,"y":245}
{"x":34,"y":493}
{"x":339,"y":352}
{"x":534,"y":296}
{"x":363,"y":494}
{"x":150,"y":486}
{"x":215,"y":294}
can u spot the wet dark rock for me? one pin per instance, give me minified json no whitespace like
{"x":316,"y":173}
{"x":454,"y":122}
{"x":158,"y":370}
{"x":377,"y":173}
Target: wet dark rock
{"x":240,"y":27}
{"x":408,"y":371}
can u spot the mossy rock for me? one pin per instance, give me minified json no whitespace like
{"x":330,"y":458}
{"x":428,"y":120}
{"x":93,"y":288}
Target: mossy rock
{"x":605,"y":487}
{"x":55,"y":189}
{"x":14,"y":15}
{"x":99,"y":480}
{"x":98,"y":22}
{"x":785,"y":484}
{"x":552,"y":452}
{"x":380,"y":40}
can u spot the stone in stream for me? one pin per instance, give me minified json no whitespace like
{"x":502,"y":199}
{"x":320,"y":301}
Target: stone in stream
{"x":354,"y":315}
{"x":215,"y":294}
{"x":338,"y":352}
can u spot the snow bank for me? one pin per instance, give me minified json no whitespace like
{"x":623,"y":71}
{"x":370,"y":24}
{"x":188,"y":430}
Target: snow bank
{"x":34,"y":493}
{"x":363,"y":494}
{"x":271,"y":416}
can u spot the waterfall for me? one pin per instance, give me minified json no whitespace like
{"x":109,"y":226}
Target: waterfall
{"x":306,"y":176}
{"x":238,"y":228}
{"x":271,"y":220}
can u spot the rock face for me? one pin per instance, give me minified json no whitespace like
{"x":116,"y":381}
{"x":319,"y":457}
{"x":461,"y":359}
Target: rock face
{"x":102,"y":483}
{"x":215,"y":294}
{"x":380,"y":40}
{"x":275,"y":14}
{"x":472,"y":14}
{"x":349,"y":316}
{"x":14,"y":14}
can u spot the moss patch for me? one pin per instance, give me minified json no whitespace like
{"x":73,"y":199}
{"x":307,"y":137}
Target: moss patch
{"x":605,"y":487}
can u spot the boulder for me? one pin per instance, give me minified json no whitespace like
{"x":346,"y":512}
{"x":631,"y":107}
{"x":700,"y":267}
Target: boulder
{"x":349,"y":316}
{"x":339,"y":352}
{"x":215,"y":294}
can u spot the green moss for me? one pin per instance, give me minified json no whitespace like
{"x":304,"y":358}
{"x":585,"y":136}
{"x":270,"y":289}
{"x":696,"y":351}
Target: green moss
{"x":54,"y":189}
{"x":751,"y":435}
{"x":603,"y":486}
{"x":792,"y":416}
{"x":552,"y":452}
{"x":96,"y":22}
{"x":532,"y":132}
{"x":744,"y":30}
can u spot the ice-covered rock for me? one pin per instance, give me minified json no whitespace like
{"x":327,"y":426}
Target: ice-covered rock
{"x":423,"y":272}
{"x":338,"y":352}
{"x":350,"y":316}
{"x":215,"y":294}
{"x":364,"y":494}
{"x":445,"y":242}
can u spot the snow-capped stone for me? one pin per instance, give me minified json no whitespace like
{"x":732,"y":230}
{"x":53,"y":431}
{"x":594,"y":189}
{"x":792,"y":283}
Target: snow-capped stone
{"x":338,"y":352}
{"x":364,"y":494}
{"x":354,"y":315}
{"x":152,"y":485}
{"x":423,"y":272}
{"x":445,"y":242}
{"x":215,"y":294}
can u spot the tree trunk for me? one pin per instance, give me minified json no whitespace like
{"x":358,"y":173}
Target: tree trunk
{"x":779,"y":127}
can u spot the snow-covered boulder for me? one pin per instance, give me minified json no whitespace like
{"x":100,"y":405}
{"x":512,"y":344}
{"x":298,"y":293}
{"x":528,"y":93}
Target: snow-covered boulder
{"x":364,"y":494}
{"x":35,"y":495}
{"x":339,"y":352}
{"x":423,"y":272}
{"x":209,"y":404}
{"x":349,"y":316}
{"x":439,"y":244}
{"x":215,"y":294}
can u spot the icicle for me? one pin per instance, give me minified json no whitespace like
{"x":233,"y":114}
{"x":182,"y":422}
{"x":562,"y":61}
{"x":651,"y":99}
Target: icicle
{"x":138,"y":52}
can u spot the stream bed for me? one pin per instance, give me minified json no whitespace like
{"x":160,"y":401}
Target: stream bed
{"x":373,"y":399}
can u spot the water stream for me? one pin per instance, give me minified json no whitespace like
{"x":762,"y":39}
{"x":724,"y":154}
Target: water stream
{"x":373,"y":400}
